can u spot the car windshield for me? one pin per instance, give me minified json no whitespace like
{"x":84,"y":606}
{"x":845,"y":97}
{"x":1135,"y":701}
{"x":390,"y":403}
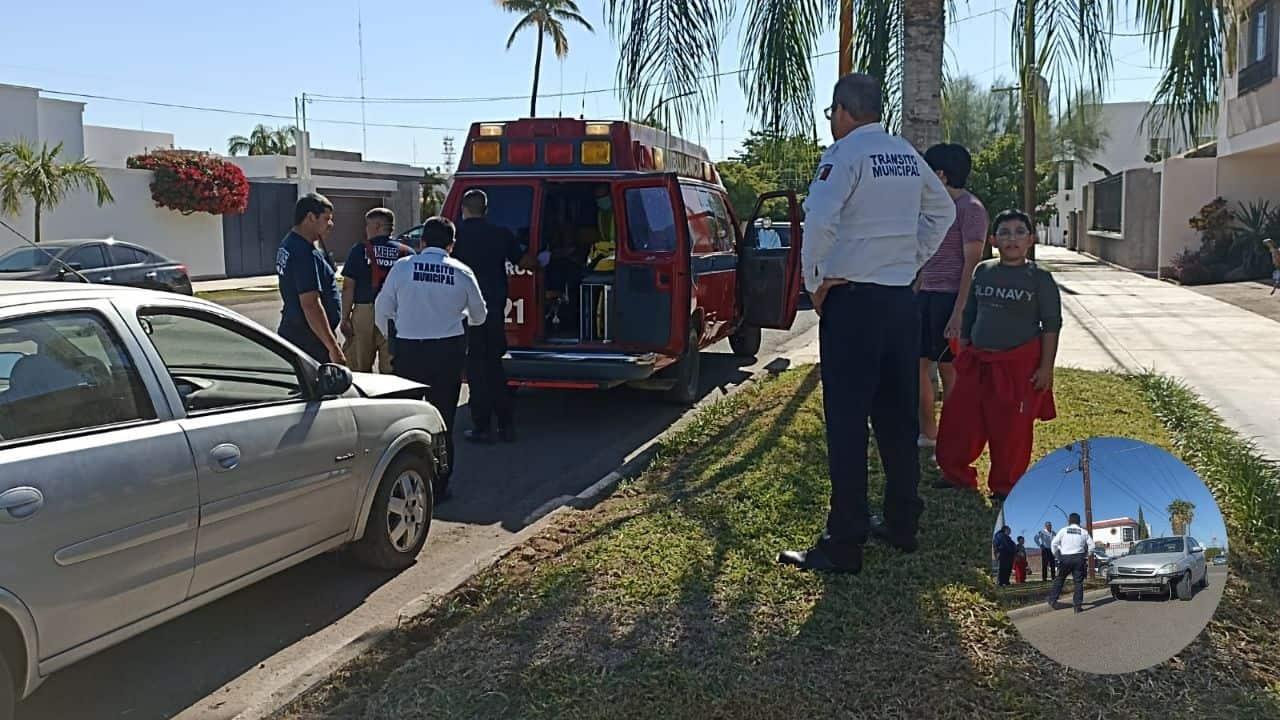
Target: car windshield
{"x":28,"y":259}
{"x":1158,"y":546}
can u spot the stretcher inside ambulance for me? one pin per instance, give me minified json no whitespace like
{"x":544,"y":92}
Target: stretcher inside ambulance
{"x":641,"y":262}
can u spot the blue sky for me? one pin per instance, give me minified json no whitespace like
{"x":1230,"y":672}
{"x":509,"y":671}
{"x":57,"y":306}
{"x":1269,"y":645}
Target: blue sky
{"x":258,"y":56}
{"x":1125,"y":474}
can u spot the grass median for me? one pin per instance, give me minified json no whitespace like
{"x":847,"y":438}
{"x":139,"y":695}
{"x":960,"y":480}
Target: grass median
{"x":665,"y":601}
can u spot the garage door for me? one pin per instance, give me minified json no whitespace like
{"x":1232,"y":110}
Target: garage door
{"x":348,"y":222}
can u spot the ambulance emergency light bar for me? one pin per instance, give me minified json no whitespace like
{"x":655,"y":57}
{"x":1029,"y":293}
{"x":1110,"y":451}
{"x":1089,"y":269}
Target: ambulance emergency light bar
{"x":560,"y":145}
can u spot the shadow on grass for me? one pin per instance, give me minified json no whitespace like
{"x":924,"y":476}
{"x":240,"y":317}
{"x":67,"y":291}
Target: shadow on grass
{"x":665,"y":601}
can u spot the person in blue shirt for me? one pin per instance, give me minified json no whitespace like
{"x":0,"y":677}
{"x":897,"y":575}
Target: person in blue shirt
{"x":365,"y":270}
{"x":311,"y":307}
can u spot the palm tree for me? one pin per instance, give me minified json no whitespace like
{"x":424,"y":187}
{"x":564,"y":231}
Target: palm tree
{"x":1180,"y":514}
{"x":669,"y":47}
{"x":35,"y":173}
{"x":548,"y":18}
{"x":263,"y":141}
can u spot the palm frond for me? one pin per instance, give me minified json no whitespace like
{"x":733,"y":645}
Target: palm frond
{"x":877,"y":51}
{"x":1072,"y":44}
{"x":1186,"y":97}
{"x":778,"y":77}
{"x":666,"y":47}
{"x":559,"y":38}
{"x":567,"y":11}
{"x":525,"y":22}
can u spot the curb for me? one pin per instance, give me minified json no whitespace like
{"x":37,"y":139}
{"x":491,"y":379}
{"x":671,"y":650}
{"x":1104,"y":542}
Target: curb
{"x":535,"y":523}
{"x":1042,"y":607}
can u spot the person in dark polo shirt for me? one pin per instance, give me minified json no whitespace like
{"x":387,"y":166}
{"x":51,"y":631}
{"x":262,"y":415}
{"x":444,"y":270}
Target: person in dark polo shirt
{"x":308,"y":284}
{"x":365,"y":270}
{"x":486,"y":249}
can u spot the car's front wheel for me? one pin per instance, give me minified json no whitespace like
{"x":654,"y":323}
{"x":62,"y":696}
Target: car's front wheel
{"x":1204,"y":580}
{"x":8,"y":694}
{"x":1182,"y":588}
{"x":400,"y":517}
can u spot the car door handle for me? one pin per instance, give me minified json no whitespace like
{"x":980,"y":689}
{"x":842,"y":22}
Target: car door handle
{"x":105,"y":279}
{"x":227,"y":456}
{"x":151,"y":275}
{"x":19,"y":504}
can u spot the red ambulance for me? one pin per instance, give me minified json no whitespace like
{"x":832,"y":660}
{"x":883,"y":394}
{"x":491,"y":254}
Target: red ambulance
{"x":642,"y":263}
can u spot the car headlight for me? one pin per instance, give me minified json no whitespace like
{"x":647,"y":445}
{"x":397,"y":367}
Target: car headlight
{"x":1168,"y":569}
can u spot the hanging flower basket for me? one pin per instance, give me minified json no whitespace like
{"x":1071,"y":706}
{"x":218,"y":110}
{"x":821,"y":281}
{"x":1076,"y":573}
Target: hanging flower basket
{"x":191,"y":182}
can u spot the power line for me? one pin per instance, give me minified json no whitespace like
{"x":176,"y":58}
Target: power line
{"x":243,"y":113}
{"x":508,"y":98}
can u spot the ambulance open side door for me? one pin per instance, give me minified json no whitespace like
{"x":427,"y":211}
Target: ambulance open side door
{"x":769,"y":278}
{"x":652,"y":284}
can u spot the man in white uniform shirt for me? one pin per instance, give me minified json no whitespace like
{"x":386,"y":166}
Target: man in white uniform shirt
{"x":875,"y":213}
{"x":1048,"y":563}
{"x":431,"y":297}
{"x":1071,"y":546}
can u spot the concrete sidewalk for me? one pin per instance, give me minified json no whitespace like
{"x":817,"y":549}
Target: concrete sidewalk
{"x":263,"y":282}
{"x":1113,"y":319}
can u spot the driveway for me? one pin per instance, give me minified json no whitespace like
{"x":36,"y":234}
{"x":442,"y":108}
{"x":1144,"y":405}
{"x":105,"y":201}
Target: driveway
{"x":219,"y":660}
{"x":1120,"y":636}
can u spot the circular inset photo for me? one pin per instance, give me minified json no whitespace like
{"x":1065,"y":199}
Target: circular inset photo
{"x":1113,"y":553}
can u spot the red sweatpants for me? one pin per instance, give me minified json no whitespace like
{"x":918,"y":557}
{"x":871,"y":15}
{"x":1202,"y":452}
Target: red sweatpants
{"x":1019,"y":571}
{"x":992,"y":405}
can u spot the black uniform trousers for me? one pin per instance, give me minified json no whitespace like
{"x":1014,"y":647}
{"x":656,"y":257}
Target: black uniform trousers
{"x":1048,"y":565}
{"x":1076,"y":565}
{"x":1006,"y":568}
{"x":486,"y":376}
{"x":437,"y":364}
{"x":869,"y":345}
{"x":305,"y":339}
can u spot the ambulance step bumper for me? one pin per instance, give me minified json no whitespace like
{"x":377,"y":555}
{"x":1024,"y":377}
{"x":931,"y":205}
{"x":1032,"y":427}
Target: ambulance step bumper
{"x":598,"y":369}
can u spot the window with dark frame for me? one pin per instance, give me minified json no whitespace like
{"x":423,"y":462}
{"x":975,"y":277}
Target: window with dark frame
{"x":1257,"y":47}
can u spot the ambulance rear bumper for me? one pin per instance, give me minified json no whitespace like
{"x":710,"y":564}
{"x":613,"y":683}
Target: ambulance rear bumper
{"x":577,"y":369}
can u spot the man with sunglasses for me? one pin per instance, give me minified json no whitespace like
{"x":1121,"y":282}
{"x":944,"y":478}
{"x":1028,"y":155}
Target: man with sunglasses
{"x":874,"y":215}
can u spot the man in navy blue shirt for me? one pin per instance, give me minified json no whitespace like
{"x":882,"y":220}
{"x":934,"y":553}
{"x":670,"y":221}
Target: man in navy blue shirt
{"x":308,"y":285}
{"x":365,"y":270}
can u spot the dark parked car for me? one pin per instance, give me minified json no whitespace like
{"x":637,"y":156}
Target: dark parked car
{"x":99,"y":261}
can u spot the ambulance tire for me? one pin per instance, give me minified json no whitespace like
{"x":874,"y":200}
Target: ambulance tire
{"x":688,"y":372}
{"x":746,"y":341}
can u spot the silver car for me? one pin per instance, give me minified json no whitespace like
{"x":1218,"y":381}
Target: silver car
{"x":158,"y":452}
{"x":1167,"y":566}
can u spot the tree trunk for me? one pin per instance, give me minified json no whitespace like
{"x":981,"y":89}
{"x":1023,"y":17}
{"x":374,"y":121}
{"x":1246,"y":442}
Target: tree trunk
{"x":846,"y":37}
{"x":923,"y":33}
{"x":537,"y":73}
{"x":37,"y":235}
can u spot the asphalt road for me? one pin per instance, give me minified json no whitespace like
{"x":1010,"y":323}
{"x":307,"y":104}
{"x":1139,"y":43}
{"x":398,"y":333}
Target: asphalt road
{"x":213,"y":663}
{"x":1120,"y":636}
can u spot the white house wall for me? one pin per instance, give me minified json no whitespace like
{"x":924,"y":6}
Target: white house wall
{"x":19,"y":118}
{"x":112,"y":147}
{"x":195,"y":239}
{"x":62,"y":122}
{"x":1186,"y":185}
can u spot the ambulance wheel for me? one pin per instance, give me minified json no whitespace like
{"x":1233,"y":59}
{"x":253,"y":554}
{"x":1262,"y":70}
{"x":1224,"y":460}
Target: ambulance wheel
{"x":746,"y":341}
{"x":688,"y":374}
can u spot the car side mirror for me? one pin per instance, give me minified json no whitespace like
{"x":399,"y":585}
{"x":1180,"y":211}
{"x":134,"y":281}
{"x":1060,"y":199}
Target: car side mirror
{"x":333,"y":381}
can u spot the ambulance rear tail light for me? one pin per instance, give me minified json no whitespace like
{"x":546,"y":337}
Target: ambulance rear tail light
{"x":491,"y":130}
{"x":597,"y":152}
{"x":522,"y":153}
{"x":560,"y":153}
{"x":598,"y":129}
{"x":486,"y":153}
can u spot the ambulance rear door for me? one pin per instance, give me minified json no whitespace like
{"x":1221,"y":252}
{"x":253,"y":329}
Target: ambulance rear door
{"x":769,"y":278}
{"x":652,"y":285}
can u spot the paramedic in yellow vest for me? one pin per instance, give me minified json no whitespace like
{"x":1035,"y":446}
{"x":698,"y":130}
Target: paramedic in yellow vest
{"x":603,"y":252}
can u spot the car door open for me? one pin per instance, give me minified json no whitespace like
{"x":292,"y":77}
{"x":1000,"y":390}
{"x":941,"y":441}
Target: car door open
{"x":769,"y":278}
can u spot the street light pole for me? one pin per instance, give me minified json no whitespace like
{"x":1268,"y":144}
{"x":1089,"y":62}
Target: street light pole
{"x":1031,"y":101}
{"x":652,"y":113}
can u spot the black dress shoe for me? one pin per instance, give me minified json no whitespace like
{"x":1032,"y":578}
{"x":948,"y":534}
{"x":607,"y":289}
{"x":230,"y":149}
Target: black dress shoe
{"x":882,"y":532}
{"x":817,"y":560}
{"x":478,"y":436}
{"x":508,"y":434}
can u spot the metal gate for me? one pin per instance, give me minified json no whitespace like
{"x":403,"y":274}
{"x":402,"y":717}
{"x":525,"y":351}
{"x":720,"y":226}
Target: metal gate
{"x":250,"y":240}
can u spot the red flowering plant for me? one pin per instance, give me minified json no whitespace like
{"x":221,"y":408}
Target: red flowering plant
{"x":191,"y":182}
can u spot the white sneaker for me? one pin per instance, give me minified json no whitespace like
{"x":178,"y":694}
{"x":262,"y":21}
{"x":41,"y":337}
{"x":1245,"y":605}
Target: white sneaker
{"x":925,"y":441}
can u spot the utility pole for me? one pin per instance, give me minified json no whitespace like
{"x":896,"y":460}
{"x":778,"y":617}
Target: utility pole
{"x":1030,"y":102}
{"x":846,"y":37}
{"x":1088,"y":501}
{"x":364,"y":129}
{"x":448,"y":151}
